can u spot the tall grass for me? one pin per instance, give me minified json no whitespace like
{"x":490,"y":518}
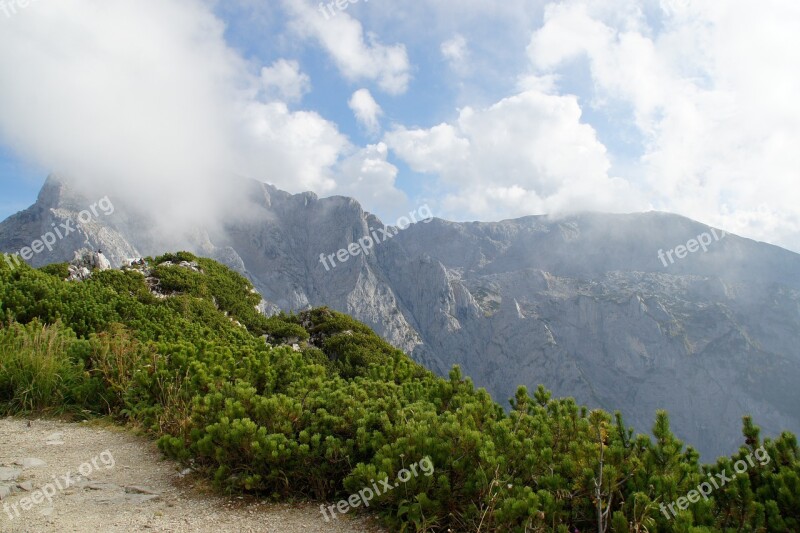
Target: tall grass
{"x":45,"y":369}
{"x":37,"y":374}
{"x":114,"y":359}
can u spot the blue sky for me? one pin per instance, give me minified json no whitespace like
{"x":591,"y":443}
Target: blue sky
{"x":482,"y":110}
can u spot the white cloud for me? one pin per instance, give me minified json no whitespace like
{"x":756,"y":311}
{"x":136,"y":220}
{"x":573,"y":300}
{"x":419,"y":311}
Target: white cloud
{"x":436,"y":150}
{"x":148,"y":103}
{"x":296,"y":151}
{"x":713,"y":92}
{"x":358,"y":56}
{"x":456,"y":52}
{"x":366,"y":110}
{"x":284,"y":81}
{"x":371,"y":178}
{"x":529,"y":153}
{"x":131,"y":98}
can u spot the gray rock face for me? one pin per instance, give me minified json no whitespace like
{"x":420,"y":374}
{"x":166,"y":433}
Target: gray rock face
{"x":582,"y":304}
{"x":57,"y":214}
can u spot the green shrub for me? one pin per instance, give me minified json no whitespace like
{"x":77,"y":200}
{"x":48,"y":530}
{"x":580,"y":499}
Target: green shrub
{"x":58,"y":270}
{"x":283,"y":329}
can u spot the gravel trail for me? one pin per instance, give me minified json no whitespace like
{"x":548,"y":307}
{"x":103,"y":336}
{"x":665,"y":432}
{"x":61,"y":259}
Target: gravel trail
{"x":119,"y":482}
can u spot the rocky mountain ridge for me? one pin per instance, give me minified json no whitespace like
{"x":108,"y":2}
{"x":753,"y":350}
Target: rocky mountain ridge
{"x":581,"y":304}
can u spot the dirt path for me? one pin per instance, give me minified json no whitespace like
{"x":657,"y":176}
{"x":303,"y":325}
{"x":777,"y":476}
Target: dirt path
{"x":118,"y":482}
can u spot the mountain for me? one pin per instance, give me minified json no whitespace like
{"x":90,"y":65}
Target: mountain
{"x":583,"y":304}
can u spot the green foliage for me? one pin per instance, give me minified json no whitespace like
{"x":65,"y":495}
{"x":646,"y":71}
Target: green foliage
{"x":37,"y":373}
{"x":189,"y":364}
{"x":59,"y":270}
{"x":285,"y":329}
{"x":349,"y":344}
{"x":231,"y":292}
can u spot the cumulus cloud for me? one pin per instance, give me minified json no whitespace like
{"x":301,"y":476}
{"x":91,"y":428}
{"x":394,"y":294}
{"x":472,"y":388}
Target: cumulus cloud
{"x":358,"y":56}
{"x":284,"y":81}
{"x":439,"y":149}
{"x":296,"y":150}
{"x":366,"y":110}
{"x":370,"y":177}
{"x":713,"y":93}
{"x":529,"y":153}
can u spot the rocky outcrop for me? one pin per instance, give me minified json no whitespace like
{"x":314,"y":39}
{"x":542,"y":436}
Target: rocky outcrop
{"x":84,"y":263}
{"x":57,"y":212}
{"x":581,"y":304}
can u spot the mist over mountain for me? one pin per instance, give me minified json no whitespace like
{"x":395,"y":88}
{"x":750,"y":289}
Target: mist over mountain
{"x":582,"y":304}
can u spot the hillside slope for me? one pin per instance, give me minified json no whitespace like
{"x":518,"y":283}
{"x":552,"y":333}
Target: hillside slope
{"x":317,"y":406}
{"x":582,"y":304}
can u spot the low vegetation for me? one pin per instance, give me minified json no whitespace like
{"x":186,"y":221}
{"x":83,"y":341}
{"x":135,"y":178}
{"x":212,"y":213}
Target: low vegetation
{"x":315,"y":405}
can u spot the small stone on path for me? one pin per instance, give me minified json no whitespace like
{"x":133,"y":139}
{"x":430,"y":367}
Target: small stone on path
{"x":9,"y":474}
{"x":55,"y":439}
{"x":138,"y":489}
{"x":31,"y":462}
